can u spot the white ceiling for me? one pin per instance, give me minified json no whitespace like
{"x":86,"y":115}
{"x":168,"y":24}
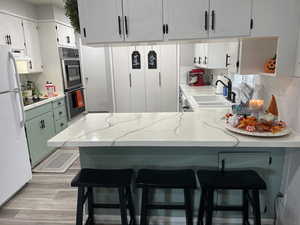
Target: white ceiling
{"x":40,"y":2}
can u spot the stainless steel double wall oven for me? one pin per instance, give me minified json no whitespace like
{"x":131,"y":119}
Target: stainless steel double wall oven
{"x":73,"y":85}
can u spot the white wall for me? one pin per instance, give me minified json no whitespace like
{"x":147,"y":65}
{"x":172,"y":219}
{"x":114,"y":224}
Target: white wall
{"x":19,"y":7}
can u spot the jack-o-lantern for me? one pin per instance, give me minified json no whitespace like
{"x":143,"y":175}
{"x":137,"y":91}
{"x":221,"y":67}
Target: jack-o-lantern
{"x":270,"y":65}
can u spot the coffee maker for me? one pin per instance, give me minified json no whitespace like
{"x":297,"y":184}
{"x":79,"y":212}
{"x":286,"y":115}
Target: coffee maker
{"x":195,"y":77}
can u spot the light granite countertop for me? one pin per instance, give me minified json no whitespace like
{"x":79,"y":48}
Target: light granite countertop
{"x":37,"y":104}
{"x":204,"y":128}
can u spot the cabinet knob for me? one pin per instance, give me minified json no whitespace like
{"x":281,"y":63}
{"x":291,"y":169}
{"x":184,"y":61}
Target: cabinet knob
{"x":62,"y":124}
{"x":60,"y":113}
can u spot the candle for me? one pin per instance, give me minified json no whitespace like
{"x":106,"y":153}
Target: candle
{"x":256,"y":104}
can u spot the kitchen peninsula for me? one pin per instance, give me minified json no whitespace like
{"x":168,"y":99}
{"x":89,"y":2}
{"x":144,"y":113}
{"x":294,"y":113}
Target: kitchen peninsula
{"x":171,"y":140}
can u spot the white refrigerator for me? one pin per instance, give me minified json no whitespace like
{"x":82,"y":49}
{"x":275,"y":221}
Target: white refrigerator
{"x":15,"y":169}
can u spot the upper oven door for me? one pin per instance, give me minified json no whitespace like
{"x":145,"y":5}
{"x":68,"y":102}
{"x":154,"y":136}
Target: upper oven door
{"x":72,"y":73}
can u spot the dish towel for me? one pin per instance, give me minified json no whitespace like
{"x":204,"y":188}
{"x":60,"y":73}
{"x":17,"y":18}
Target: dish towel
{"x":79,"y":99}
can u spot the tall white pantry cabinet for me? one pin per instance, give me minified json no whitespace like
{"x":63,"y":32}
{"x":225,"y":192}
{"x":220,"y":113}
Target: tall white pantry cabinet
{"x":145,"y":78}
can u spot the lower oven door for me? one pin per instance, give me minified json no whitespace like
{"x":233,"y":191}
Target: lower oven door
{"x":75,"y":102}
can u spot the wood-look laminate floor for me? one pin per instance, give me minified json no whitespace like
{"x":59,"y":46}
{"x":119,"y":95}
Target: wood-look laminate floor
{"x":47,"y":199}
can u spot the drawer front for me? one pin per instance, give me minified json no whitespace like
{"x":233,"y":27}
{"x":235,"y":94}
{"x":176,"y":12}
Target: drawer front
{"x":58,"y":103}
{"x":61,"y":124}
{"x":40,"y":110}
{"x":59,"y":113}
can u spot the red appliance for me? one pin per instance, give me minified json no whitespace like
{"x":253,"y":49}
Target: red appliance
{"x":196,"y":77}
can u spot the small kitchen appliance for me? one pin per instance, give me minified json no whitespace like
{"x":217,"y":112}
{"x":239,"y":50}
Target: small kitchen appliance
{"x":196,"y":77}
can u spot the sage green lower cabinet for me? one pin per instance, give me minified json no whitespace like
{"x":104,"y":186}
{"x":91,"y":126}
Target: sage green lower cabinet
{"x":43,"y":123}
{"x":39,"y":130}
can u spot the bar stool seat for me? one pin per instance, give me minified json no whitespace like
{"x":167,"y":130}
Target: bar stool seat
{"x":247,"y":181}
{"x":150,"y":180}
{"x":166,"y":178}
{"x":88,"y":179}
{"x":240,"y":180}
{"x":102,"y":178}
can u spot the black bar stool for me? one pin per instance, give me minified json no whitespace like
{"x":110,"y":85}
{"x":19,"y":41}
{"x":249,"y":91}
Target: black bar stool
{"x":87,"y":179}
{"x":166,"y":179}
{"x":247,"y":181}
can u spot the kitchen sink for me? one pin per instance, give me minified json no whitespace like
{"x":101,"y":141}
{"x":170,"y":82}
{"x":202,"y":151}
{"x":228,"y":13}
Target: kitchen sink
{"x":211,"y":101}
{"x":208,"y":98}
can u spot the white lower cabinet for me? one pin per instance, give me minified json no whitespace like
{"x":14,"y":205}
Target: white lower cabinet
{"x":145,"y":78}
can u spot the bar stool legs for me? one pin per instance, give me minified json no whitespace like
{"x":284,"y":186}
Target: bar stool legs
{"x":123,"y":206}
{"x":80,"y":202}
{"x":90,"y":196}
{"x":202,"y":207}
{"x":210,"y":206}
{"x":188,"y":206}
{"x":256,"y":207}
{"x":245,"y":207}
{"x":144,"y":210}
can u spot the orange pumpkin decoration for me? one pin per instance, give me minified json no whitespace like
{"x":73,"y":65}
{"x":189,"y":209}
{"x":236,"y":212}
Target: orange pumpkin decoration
{"x":270,"y":65}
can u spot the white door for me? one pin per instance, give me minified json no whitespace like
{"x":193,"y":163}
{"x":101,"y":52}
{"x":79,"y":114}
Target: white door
{"x":153,"y":78}
{"x":120,"y":62}
{"x":137,"y":79}
{"x":230,"y":18}
{"x":32,"y":41}
{"x":186,"y":19}
{"x":101,"y":21}
{"x":4,"y":29}
{"x":143,"y":20}
{"x":232,"y":56}
{"x":94,"y":71}
{"x":169,"y":78}
{"x":11,"y":32}
{"x":217,"y":55}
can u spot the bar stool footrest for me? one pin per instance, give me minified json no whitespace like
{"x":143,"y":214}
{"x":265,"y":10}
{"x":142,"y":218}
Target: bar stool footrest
{"x":165,"y":206}
{"x":228,"y":208}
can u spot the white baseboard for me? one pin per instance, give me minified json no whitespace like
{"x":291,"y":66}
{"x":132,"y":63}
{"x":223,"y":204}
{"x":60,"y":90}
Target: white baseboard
{"x":162,"y":220}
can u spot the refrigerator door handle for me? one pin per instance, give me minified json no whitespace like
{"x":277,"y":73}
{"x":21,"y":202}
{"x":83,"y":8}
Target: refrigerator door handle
{"x":18,"y":90}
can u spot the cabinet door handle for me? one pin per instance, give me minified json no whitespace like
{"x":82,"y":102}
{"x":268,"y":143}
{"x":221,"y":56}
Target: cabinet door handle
{"x":213,"y":15}
{"x":130,"y":82}
{"x":164,"y":28}
{"x":205,"y":60}
{"x":126,"y":26}
{"x":223,"y":165}
{"x":200,"y":60}
{"x":167,"y":28}
{"x":119,"y":23}
{"x":159,"y":79}
{"x":68,"y":39}
{"x":195,"y":60}
{"x":227,"y":60}
{"x":10,"y":42}
{"x":206,"y":20}
{"x":7,"y":39}
{"x":30,"y":64}
{"x":42,"y":124}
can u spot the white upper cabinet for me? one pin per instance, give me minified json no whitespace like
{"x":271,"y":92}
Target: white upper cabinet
{"x":101,"y":21}
{"x":65,"y":36}
{"x":11,"y":32}
{"x":143,"y":20}
{"x":186,"y":19}
{"x":33,"y":50}
{"x":230,"y":18}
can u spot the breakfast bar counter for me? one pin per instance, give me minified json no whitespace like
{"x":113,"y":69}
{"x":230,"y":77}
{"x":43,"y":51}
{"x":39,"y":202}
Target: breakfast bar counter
{"x":204,"y":128}
{"x":176,"y":140}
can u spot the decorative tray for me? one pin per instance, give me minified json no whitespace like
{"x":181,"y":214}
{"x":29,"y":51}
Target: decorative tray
{"x":284,"y":132}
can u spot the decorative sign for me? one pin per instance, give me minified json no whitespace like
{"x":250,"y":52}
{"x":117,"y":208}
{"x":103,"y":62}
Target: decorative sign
{"x":136,"y":60}
{"x":152,"y":60}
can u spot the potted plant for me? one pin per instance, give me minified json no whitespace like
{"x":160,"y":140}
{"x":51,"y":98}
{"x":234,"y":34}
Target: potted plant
{"x":71,"y":11}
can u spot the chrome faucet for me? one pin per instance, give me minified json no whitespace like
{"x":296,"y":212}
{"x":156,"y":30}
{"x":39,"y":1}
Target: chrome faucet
{"x":230,"y":94}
